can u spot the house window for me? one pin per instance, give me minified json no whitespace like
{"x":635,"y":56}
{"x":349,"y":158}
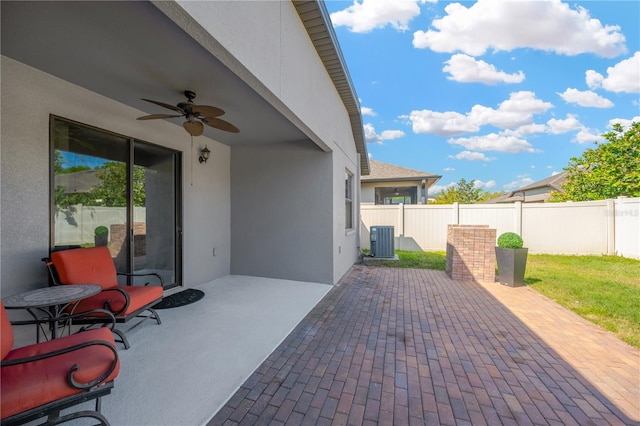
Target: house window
{"x":348,"y":199}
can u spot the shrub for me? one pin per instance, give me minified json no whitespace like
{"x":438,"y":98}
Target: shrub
{"x":510,"y":240}
{"x":101,"y":231}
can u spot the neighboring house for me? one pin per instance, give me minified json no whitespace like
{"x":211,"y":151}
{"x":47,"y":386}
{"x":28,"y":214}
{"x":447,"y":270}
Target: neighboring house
{"x":269,"y":202}
{"x":390,"y":184}
{"x":537,"y":192}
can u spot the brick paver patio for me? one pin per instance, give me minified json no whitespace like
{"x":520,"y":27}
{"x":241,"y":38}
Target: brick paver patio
{"x":406,"y":346}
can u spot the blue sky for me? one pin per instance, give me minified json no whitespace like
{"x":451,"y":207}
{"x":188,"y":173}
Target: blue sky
{"x":503,"y":92}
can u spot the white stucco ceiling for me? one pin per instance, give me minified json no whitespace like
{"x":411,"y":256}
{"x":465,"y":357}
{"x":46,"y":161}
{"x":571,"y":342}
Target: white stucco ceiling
{"x":131,"y":50}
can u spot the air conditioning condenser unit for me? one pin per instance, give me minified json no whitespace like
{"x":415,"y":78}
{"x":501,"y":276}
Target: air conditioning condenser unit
{"x":382,"y":241}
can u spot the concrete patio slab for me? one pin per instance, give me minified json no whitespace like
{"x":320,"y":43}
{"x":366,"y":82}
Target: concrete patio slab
{"x":182,"y":371}
{"x":406,"y":346}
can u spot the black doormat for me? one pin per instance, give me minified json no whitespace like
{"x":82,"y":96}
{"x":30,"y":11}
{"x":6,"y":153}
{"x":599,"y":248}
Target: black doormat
{"x":185,"y":297}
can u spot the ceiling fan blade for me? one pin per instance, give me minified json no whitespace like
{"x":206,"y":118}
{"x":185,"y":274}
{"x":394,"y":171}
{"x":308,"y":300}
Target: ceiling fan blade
{"x":162,"y":104}
{"x":207,"y":111}
{"x":155,"y":116}
{"x":195,"y":128}
{"x":220,"y":124}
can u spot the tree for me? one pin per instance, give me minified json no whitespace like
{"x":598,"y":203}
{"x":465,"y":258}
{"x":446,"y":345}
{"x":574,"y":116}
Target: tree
{"x":462,"y":192}
{"x":111,"y":190}
{"x":609,"y":170}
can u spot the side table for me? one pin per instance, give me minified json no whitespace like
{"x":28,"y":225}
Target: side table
{"x":48,"y":304}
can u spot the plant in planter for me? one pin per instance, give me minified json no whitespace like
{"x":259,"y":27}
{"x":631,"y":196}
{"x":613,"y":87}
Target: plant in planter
{"x":101,"y":235}
{"x":512,"y":259}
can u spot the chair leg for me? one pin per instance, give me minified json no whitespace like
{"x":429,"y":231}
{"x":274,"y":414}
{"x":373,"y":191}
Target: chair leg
{"x":122,"y":337}
{"x":154,"y":315}
{"x":78,"y":415}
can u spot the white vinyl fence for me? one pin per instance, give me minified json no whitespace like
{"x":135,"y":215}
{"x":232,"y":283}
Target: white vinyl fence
{"x":76,"y":224}
{"x":590,"y":227}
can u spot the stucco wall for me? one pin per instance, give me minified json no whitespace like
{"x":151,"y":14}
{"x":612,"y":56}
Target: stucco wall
{"x":270,"y":41}
{"x":24,"y":232}
{"x":281,"y":212}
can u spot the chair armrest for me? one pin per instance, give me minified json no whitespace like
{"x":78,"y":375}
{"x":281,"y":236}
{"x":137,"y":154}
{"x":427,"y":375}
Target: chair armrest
{"x":70,"y":375}
{"x":139,"y":274}
{"x":107,"y":304}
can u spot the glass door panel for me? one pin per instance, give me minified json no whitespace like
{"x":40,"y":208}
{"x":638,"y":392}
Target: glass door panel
{"x":155,"y":215}
{"x":110,"y":190}
{"x":90,"y":201}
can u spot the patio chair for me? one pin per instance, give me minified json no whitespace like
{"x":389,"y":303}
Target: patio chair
{"x":44,"y":378}
{"x":94,"y":265}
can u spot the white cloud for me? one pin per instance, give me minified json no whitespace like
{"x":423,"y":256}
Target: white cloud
{"x":558,"y":126}
{"x":624,"y":122}
{"x":448,"y":123}
{"x":485,"y":185}
{"x":439,"y":188}
{"x":506,"y":25}
{"x":387,"y":135}
{"x":525,"y":101}
{"x":593,"y":79}
{"x":518,"y":183}
{"x":587,"y":136}
{"x":516,"y":111}
{"x":362,"y":17}
{"x":371,"y":136}
{"x":471,"y":156}
{"x":494,"y":142}
{"x":449,"y":169}
{"x":466,"y":69}
{"x":527,"y":129}
{"x":585,"y":98}
{"x":368,"y":111}
{"x":622,"y":77}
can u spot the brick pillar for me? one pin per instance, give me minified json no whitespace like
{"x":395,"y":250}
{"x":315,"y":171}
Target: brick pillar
{"x":471,"y":253}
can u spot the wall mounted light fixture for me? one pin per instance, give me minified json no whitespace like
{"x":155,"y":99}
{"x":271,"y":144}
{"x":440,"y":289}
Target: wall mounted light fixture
{"x":204,"y":154}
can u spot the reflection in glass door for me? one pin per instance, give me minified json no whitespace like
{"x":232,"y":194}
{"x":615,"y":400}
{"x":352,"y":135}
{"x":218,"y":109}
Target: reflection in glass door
{"x":155,"y":230}
{"x":111,"y":190}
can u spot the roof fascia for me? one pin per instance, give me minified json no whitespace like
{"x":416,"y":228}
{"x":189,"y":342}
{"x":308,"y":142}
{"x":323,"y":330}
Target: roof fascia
{"x":326,"y":43}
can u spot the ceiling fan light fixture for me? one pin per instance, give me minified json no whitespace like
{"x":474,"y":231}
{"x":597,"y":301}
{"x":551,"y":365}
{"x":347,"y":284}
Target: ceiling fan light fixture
{"x":196,"y":115}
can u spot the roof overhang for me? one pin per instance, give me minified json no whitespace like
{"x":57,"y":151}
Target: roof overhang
{"x":316,"y":19}
{"x":128,"y":50}
{"x":430,"y":178}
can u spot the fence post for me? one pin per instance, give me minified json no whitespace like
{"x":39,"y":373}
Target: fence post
{"x":456,"y":213}
{"x":611,"y":226}
{"x":401,"y":220}
{"x":518,"y":217}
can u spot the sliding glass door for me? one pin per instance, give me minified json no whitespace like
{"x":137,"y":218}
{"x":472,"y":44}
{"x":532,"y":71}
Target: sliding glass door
{"x":108,"y":189}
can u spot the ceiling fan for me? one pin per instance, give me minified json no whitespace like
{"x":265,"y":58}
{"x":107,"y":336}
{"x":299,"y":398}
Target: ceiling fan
{"x":196,"y":115}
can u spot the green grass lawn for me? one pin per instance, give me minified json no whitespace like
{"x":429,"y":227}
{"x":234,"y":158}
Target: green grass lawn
{"x":416,"y":259}
{"x":602,"y":289}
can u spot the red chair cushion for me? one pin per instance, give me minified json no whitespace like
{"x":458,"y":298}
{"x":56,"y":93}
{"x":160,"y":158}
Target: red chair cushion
{"x":139,"y":296}
{"x":36,"y":383}
{"x":92,"y":265}
{"x":6,"y":334}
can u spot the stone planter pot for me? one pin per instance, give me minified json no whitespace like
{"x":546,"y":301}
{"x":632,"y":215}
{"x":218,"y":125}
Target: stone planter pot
{"x":100,"y":240}
{"x":511,"y":265}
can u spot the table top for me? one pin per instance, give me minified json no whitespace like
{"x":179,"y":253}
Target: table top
{"x":50,"y":296}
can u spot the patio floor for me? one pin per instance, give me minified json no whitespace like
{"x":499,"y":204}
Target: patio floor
{"x":405,"y":346}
